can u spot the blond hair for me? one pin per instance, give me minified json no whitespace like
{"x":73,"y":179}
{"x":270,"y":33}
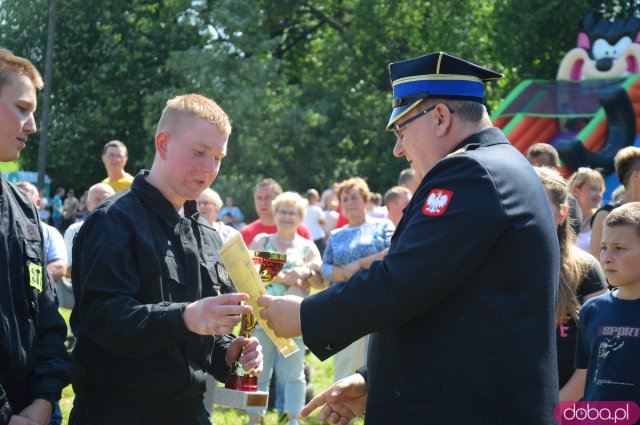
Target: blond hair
{"x":355,"y":183}
{"x":215,"y":198}
{"x":626,"y":161}
{"x":29,"y":189}
{"x":291,"y":199}
{"x":12,"y":64}
{"x":583,"y":176}
{"x":196,"y":106}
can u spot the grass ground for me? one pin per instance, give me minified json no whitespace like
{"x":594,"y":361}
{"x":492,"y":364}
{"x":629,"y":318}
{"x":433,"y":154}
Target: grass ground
{"x":321,"y":378}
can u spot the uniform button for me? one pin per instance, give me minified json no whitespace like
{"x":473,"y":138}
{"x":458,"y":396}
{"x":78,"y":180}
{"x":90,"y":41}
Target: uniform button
{"x":328,"y":347}
{"x":396,"y":393}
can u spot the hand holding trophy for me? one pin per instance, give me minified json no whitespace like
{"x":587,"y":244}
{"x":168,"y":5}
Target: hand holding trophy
{"x":268,"y":265}
{"x":250,"y":276}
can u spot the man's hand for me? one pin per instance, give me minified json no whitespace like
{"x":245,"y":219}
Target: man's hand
{"x":216,"y":315}
{"x":38,"y":412}
{"x":282,"y":314}
{"x":341,"y":402}
{"x":58,"y":269}
{"x":251,"y":354}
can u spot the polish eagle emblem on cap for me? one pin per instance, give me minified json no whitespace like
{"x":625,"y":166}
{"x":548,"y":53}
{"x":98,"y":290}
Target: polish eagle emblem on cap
{"x":437,"y":202}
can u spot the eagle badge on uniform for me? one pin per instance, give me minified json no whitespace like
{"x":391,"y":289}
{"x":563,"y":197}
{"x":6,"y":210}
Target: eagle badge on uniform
{"x":223,"y":274}
{"x":437,"y":202}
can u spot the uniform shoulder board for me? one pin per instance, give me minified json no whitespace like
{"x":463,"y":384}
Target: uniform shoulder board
{"x":472,"y":146}
{"x":458,"y":152}
{"x":469,"y":147}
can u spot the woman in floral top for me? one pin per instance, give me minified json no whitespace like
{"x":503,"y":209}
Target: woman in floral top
{"x":350,"y":249}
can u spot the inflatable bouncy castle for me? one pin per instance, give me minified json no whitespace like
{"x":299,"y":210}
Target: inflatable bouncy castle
{"x":592,"y":109}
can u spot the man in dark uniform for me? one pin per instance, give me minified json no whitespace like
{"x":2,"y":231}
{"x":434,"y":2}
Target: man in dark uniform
{"x":34,"y":364}
{"x":149,"y":318}
{"x":461,"y":310}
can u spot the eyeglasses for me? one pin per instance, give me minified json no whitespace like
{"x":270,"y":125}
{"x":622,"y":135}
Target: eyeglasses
{"x":397,"y":127}
{"x":286,"y":212}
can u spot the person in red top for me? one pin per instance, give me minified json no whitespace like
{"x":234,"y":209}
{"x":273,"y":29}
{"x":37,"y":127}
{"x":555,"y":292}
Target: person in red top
{"x":263,"y":196}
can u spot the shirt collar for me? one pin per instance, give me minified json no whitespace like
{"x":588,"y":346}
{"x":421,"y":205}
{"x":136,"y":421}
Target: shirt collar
{"x":157,"y":203}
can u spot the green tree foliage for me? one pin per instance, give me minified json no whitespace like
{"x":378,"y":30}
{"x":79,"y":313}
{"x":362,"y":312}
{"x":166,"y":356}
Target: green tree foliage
{"x":304,"y":82}
{"x":107,"y":59}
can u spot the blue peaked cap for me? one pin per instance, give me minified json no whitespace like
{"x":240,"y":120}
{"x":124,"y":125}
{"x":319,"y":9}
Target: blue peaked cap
{"x":435,"y":75}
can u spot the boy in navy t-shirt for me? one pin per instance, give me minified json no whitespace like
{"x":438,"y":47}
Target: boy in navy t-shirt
{"x":608,"y":344}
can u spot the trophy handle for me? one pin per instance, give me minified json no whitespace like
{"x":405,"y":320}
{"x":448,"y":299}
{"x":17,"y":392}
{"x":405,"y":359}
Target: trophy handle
{"x":248,"y":324}
{"x":269,"y":265}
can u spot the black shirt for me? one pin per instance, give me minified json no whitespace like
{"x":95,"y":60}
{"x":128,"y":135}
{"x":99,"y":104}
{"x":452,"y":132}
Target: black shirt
{"x":33,"y":360}
{"x":136,"y":265}
{"x":593,"y":280}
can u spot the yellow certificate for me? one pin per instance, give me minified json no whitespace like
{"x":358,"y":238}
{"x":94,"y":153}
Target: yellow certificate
{"x":244,"y":275}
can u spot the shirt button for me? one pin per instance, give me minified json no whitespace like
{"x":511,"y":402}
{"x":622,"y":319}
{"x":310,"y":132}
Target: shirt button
{"x":328,"y":347}
{"x":396,"y":393}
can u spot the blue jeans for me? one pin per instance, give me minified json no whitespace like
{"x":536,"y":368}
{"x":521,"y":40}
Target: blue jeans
{"x":290,"y":372}
{"x":279,"y":402}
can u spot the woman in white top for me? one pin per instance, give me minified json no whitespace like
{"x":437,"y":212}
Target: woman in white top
{"x":587,"y":186}
{"x":209,"y":205}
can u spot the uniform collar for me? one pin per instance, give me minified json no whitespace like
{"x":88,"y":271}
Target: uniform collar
{"x":157,"y":203}
{"x":487,"y":137}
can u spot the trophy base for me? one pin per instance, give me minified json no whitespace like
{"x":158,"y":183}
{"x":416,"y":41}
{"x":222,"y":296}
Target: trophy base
{"x":242,"y":383}
{"x":240,"y":399}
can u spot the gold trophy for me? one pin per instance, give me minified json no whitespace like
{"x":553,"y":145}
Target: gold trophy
{"x":268,"y":265}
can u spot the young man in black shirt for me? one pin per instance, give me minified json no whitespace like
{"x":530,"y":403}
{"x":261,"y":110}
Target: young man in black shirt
{"x":153,"y":308}
{"x":34,"y":364}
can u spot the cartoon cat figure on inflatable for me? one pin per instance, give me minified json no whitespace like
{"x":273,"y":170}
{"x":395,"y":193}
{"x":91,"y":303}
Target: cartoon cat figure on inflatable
{"x":606,"y":49}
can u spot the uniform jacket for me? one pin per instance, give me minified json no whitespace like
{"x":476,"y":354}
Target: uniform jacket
{"x":33,"y":360}
{"x":462,"y":308}
{"x":136,"y":265}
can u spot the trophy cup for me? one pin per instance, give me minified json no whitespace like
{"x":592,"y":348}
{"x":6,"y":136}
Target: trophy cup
{"x":268,"y":265}
{"x":250,"y":275}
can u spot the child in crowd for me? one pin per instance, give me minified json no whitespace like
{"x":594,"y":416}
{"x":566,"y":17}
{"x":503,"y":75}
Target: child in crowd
{"x":608,"y":345}
{"x":581,"y":278}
